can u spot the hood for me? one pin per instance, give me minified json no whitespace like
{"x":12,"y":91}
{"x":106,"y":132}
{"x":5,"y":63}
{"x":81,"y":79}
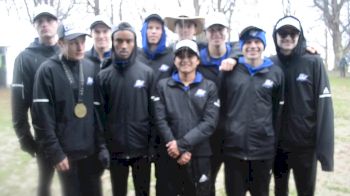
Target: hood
{"x":299,"y":50}
{"x":160,"y":46}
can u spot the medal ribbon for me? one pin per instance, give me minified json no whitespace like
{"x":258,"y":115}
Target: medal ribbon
{"x":69,"y":75}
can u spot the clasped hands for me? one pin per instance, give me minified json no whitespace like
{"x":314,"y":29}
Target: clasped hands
{"x":174,"y":152}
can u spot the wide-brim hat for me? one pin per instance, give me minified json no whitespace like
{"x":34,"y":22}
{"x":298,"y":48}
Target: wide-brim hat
{"x":198,"y":21}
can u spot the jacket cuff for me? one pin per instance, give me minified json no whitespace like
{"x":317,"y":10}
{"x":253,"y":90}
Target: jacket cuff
{"x":183,"y":145}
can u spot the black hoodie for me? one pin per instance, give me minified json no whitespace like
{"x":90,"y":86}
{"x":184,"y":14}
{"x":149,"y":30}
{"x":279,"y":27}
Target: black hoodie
{"x":308,"y":109}
{"x":25,"y":67}
{"x":126,"y":88}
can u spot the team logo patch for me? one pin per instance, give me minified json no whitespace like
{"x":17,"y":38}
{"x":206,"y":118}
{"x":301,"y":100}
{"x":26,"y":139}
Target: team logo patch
{"x":302,"y":77}
{"x":200,"y":93}
{"x":164,"y":68}
{"x":89,"y":81}
{"x":139,"y":84}
{"x":268,"y":83}
{"x":217,"y":103}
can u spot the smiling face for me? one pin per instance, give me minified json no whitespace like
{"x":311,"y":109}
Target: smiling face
{"x":101,"y":35}
{"x":252,"y":50}
{"x":186,"y":61}
{"x":287,"y":39}
{"x":123,"y":43}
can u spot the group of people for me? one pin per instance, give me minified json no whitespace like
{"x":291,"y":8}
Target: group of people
{"x":187,"y":108}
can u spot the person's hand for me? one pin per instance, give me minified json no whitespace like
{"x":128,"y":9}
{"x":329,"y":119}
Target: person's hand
{"x":104,"y":158}
{"x":227,"y":64}
{"x":173,"y":150}
{"x":63,"y":165}
{"x":184,"y":158}
{"x":311,"y":50}
{"x":28,"y":145}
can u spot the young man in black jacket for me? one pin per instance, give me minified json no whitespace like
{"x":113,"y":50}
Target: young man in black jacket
{"x":251,"y":98}
{"x":101,"y":34}
{"x":64,"y":116}
{"x":307,"y":131}
{"x":125,"y":85}
{"x":186,"y":113}
{"x":25,"y":67}
{"x":157,"y":56}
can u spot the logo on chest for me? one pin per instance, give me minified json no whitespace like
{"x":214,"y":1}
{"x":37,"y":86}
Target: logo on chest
{"x":164,"y":68}
{"x":302,"y":77}
{"x":200,"y":93}
{"x":268,"y":83}
{"x":139,"y":84}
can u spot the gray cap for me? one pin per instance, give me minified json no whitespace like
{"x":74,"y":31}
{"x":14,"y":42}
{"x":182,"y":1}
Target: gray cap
{"x":44,"y":10}
{"x":70,"y":31}
{"x":99,"y":19}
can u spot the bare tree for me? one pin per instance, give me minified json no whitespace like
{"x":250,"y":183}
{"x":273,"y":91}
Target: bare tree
{"x":338,"y":29}
{"x":286,"y":7}
{"x":95,"y":5}
{"x":226,"y":7}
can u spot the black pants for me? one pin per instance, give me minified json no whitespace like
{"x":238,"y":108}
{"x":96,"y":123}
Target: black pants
{"x":192,"y":179}
{"x":46,"y":172}
{"x":304,"y":165}
{"x":242,"y":176}
{"x":141,"y":169}
{"x":216,"y":162}
{"x":82,"y":178}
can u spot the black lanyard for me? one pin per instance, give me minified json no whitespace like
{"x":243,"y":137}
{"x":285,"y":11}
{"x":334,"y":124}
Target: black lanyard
{"x":71,"y":80}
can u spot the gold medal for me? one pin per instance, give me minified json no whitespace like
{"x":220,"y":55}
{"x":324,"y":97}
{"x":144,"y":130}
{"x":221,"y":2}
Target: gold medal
{"x":80,"y":110}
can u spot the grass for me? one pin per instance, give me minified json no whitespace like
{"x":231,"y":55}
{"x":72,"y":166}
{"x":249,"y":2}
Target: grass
{"x":18,"y":172}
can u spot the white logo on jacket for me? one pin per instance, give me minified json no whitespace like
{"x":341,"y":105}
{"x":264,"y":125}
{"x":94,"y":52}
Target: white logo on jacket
{"x":164,"y":68}
{"x":139,"y":84}
{"x":268,"y":83}
{"x":200,"y":93}
{"x":302,"y":77}
{"x":326,"y":93}
{"x":89,"y":81}
{"x":217,"y":103}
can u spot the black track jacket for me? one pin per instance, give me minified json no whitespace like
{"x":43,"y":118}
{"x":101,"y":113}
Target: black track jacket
{"x":188,"y":116}
{"x":60,"y":132}
{"x":126,"y":95}
{"x":307,"y":118}
{"x":25,"y":67}
{"x":251,"y":106}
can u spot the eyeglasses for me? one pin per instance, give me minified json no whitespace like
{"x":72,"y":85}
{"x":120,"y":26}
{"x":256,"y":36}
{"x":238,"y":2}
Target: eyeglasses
{"x":285,"y":33}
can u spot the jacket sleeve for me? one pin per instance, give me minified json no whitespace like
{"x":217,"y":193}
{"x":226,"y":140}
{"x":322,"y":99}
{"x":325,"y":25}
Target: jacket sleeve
{"x":160,"y":115}
{"x":44,"y":118}
{"x":20,"y":99}
{"x":325,"y":119}
{"x":207,"y":124}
